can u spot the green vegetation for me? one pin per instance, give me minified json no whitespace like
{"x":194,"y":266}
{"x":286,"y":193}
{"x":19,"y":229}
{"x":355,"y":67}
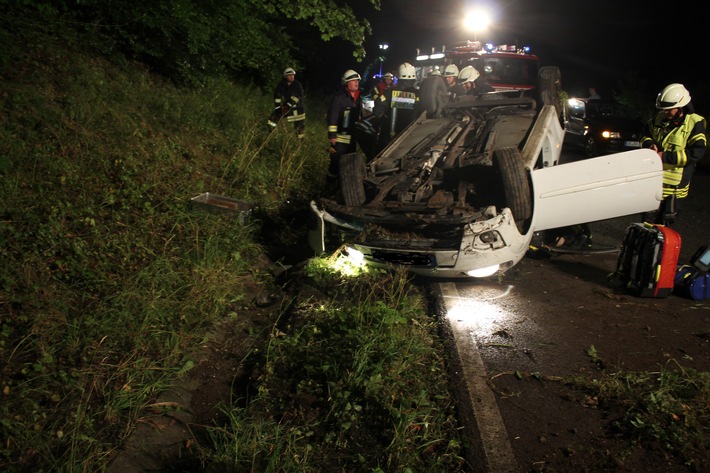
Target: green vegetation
{"x":192,"y":40}
{"x":110,"y":280}
{"x":337,"y":389}
{"x":669,"y":409}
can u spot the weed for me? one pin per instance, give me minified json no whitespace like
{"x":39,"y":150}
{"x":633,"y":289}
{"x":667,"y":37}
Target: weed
{"x":337,"y":381}
{"x":668,"y":408}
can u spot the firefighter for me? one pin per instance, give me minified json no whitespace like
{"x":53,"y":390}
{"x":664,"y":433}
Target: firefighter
{"x":386,"y":83}
{"x":396,"y":107}
{"x":472,"y":82}
{"x":450,"y":75}
{"x":677,"y":134}
{"x":288,"y":102}
{"x":345,"y":110}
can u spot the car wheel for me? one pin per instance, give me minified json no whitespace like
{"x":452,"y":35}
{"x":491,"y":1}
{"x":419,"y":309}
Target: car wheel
{"x":590,"y":147}
{"x":352,"y":179}
{"x":550,"y":86}
{"x":431,"y":98}
{"x":515,"y":184}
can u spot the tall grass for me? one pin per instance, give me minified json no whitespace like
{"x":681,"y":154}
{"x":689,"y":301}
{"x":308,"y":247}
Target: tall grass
{"x":335,"y":389}
{"x":108,"y":277}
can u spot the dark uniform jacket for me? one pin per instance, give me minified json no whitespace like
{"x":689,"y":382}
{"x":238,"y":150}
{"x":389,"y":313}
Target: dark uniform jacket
{"x":397,"y":105}
{"x":344,"y":112}
{"x":288,"y":101}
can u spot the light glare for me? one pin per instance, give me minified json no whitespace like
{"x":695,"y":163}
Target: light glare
{"x":477,"y":20}
{"x":483,"y":272}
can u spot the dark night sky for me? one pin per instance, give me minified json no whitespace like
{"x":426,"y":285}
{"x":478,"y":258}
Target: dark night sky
{"x":593,"y":42}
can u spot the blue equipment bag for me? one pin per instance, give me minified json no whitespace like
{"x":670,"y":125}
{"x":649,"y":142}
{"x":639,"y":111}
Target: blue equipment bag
{"x":693,"y":280}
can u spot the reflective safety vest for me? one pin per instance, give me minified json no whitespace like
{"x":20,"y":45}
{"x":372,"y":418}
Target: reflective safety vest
{"x":676,"y":139}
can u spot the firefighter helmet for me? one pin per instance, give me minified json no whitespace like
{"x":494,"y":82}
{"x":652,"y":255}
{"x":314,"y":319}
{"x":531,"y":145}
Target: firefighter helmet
{"x":672,"y":96}
{"x":289,"y":70}
{"x":388,"y":75}
{"x":451,"y":71}
{"x":435,"y":72}
{"x":468,"y":74}
{"x":349,"y":76}
{"x":406,"y":71}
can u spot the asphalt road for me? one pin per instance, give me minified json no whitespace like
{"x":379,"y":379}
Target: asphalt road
{"x":549,"y":318}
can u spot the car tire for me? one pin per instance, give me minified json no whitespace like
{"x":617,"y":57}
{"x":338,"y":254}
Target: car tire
{"x":352,"y":179}
{"x":431,"y":97}
{"x":515,"y":184}
{"x":550,"y":87}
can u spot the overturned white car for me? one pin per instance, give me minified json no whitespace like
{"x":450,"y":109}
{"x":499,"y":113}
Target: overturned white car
{"x":461,"y":193}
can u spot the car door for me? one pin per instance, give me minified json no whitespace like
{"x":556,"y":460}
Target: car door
{"x":595,"y":189}
{"x":575,"y":124}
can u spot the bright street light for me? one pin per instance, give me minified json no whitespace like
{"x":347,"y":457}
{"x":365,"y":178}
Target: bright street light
{"x":477,"y":20}
{"x":383,"y":48}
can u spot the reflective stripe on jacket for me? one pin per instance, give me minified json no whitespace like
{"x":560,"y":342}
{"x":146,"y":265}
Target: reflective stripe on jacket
{"x":343,"y":113}
{"x":683,"y":144}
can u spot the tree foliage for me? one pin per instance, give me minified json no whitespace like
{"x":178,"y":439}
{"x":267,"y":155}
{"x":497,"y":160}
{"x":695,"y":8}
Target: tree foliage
{"x":189,"y":40}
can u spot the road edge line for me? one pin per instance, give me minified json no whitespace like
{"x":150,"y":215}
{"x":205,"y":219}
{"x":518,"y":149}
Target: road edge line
{"x":489,"y":437}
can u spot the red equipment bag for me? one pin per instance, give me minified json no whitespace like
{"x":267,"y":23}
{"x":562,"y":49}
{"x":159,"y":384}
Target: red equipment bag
{"x":648,"y":260}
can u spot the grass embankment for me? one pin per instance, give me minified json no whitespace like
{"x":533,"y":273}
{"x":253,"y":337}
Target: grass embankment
{"x":109,"y":279}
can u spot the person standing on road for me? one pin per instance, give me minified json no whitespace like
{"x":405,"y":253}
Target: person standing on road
{"x":677,"y":134}
{"x":345,"y":110}
{"x":288,"y":102}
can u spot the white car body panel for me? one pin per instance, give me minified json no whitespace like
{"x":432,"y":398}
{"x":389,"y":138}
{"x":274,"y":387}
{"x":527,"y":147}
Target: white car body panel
{"x":597,"y":189}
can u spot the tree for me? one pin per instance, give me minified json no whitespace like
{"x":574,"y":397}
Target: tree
{"x":188,"y":40}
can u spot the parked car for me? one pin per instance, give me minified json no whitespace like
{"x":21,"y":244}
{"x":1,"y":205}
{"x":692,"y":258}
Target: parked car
{"x":461,"y":191}
{"x":601,"y":127}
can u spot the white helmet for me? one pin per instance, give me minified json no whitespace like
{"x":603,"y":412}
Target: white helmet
{"x":451,"y":71}
{"x":435,"y":72}
{"x":289,"y":70}
{"x":348,"y":76}
{"x":388,"y":75}
{"x":672,"y":96}
{"x":468,"y":74}
{"x":406,"y":71}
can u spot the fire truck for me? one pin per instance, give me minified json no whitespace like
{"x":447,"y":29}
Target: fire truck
{"x":511,"y":70}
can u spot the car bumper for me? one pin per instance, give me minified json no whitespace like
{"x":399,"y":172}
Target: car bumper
{"x":483,"y":248}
